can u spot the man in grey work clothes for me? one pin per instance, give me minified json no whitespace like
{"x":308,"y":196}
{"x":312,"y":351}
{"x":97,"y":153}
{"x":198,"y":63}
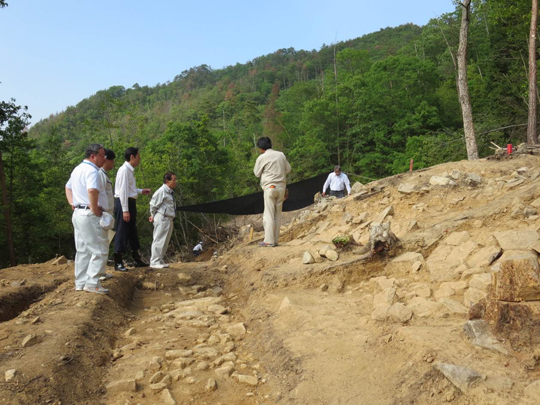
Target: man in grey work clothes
{"x":338,"y":183}
{"x":86,"y":194}
{"x":107,"y":167}
{"x":272,"y":167}
{"x":162,"y":214}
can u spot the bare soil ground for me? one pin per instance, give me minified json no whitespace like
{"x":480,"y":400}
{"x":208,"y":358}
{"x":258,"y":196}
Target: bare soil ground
{"x":268,"y":329}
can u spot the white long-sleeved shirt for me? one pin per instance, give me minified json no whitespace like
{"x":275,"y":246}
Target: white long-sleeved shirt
{"x":83,"y":178}
{"x":272,"y":167}
{"x":197,"y":247}
{"x":337,"y":183}
{"x":108,"y":189}
{"x":163,"y":202}
{"x":125,"y":186}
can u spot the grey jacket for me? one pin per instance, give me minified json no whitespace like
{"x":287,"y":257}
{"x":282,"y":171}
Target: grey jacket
{"x":163,"y":202}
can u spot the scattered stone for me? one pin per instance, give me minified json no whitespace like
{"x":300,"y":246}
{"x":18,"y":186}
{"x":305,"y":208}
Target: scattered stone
{"x":462,"y":377}
{"x":286,"y":303}
{"x":405,"y":262}
{"x":516,"y":240}
{"x":472,"y":296}
{"x":167,"y":398}
{"x":80,"y":304}
{"x":529,"y":212}
{"x":157,"y":377}
{"x":478,"y":331}
{"x":458,"y":238}
{"x":175,"y":354}
{"x":10,"y":375}
{"x":203,"y":365}
{"x":224,"y":372}
{"x":247,"y":379}
{"x":122,"y":386}
{"x":158,"y":386}
{"x":484,"y":257}
{"x":406,"y":188}
{"x":60,"y":260}
{"x":441,"y":181}
{"x":29,"y":340}
{"x":444,"y":291}
{"x":130,"y":332}
{"x":357,"y":187}
{"x":481,"y":281}
{"x":147,"y":285}
{"x":422,"y":307}
{"x":308,"y":258}
{"x":399,"y":313}
{"x":236,"y":330}
{"x":453,"y":306}
{"x":332,"y":255}
{"x":385,"y":298}
{"x":184,"y":277}
{"x":211,"y":385}
{"x":459,"y":287}
{"x":387,"y":211}
{"x":217,"y":309}
{"x":421,"y":290}
{"x":499,"y":383}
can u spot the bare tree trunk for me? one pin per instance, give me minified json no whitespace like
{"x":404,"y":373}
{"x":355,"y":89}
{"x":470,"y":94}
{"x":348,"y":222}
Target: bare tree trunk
{"x":7,"y":214}
{"x":463,"y":87}
{"x":337,"y":108}
{"x":531,"y":128}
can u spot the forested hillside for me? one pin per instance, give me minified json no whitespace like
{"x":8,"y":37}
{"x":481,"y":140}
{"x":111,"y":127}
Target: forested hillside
{"x":370,"y":104}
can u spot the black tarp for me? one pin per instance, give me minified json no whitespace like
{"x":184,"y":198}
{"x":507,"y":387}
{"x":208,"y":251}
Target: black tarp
{"x":300,"y":195}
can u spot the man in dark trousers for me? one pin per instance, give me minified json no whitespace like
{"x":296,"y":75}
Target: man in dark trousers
{"x":125,"y":210}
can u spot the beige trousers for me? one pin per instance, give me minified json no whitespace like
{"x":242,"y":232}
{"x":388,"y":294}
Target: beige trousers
{"x":273,"y":205}
{"x":163,"y":228}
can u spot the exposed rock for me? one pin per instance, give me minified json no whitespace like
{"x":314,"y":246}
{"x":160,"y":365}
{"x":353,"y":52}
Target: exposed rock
{"x":211,"y":385}
{"x":387,"y":211}
{"x":357,"y":187}
{"x":496,"y":383}
{"x":308,"y":258}
{"x":481,"y":282}
{"x":472,"y":296}
{"x":380,"y":313}
{"x":385,"y":298}
{"x":478,"y":331}
{"x":248,"y":379}
{"x":130,"y":332}
{"x":332,"y":255}
{"x":217,"y":309}
{"x":406,"y":188}
{"x":157,"y":377}
{"x":167,"y":398}
{"x":224,"y":372}
{"x":122,"y":386}
{"x":236,"y":330}
{"x":421,"y":290}
{"x":10,"y":375}
{"x":399,"y":313}
{"x":517,"y":240}
{"x":462,"y":377}
{"x":459,"y":287}
{"x":453,"y":306}
{"x":175,"y":354}
{"x":29,"y":340}
{"x":517,"y":321}
{"x":60,"y":260}
{"x":441,"y":181}
{"x":405,"y":262}
{"x":444,"y":291}
{"x":445,"y":261}
{"x":184,"y":277}
{"x":422,"y":307}
{"x":533,"y":390}
{"x":484,"y":257}
{"x":158,"y":386}
{"x":457,"y":238}
{"x":285,"y":303}
{"x":383,"y":282}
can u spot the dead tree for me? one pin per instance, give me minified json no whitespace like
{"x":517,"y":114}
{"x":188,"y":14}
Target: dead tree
{"x":531,"y":127}
{"x":463,"y":86}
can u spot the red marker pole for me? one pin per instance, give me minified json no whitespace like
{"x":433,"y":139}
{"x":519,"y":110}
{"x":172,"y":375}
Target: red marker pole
{"x":410,"y":165}
{"x":509,"y":148}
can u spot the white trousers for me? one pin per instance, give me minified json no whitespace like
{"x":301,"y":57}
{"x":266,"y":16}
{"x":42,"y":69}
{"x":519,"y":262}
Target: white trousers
{"x":92,"y":244}
{"x":273,"y":205}
{"x":163,"y":227}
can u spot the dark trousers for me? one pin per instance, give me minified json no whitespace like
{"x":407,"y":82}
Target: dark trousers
{"x":126,"y":232}
{"x":338,"y":194}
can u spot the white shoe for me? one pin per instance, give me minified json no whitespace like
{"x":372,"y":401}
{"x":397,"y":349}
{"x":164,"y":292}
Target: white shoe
{"x":106,"y":276}
{"x":96,"y":289}
{"x":158,"y":266}
{"x":77,"y":288}
{"x":165,"y":265}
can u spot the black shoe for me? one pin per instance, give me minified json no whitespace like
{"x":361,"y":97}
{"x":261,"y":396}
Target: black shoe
{"x":120,"y":267}
{"x":139,"y":262}
{"x":118,"y":262}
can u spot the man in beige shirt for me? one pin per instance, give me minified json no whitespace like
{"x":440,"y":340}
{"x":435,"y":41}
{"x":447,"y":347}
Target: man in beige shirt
{"x":272,"y":167}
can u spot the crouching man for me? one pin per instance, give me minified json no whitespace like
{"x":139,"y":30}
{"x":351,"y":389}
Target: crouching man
{"x":162,"y":214}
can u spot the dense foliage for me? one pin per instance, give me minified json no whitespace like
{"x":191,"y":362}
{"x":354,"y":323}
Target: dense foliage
{"x":370,"y":104}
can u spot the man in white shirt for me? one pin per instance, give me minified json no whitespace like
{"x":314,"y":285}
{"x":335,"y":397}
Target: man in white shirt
{"x":86,"y":194}
{"x":197,"y":250}
{"x":103,"y":172}
{"x":125,"y":210}
{"x":272,"y":167}
{"x":338,"y":183}
{"x":162,"y":214}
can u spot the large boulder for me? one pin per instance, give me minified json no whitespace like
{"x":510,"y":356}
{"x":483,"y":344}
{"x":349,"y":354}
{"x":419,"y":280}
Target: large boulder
{"x":517,"y":240}
{"x":518,"y":280}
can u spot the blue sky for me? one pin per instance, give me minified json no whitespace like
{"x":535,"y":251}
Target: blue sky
{"x":55,"y":53}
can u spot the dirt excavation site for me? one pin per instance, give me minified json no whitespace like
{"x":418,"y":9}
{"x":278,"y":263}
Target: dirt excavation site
{"x":431,"y":296}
